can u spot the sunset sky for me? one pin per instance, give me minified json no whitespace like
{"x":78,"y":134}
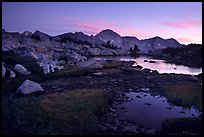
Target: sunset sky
{"x":179,"y":20}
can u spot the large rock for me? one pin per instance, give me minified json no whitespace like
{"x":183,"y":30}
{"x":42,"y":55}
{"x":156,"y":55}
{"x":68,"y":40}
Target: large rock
{"x":3,"y":70}
{"x":21,"y":69}
{"x":29,"y":87}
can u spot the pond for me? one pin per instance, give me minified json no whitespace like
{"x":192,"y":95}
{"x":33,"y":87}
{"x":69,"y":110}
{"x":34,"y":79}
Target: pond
{"x":160,"y":65}
{"x":151,"y":111}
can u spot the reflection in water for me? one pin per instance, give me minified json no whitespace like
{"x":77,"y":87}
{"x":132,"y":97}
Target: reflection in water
{"x":159,"y":65}
{"x":152,"y":110}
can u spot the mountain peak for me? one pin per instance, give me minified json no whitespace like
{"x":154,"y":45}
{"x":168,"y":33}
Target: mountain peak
{"x":108,"y":31}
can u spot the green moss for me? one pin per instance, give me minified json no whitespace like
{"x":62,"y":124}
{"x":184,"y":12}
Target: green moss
{"x":114,"y":64}
{"x":111,"y":71}
{"x":72,"y":112}
{"x":184,"y":94}
{"x":76,"y":110}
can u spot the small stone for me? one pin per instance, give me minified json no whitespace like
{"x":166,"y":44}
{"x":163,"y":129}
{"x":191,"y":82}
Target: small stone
{"x":148,"y":104}
{"x":98,"y":73}
{"x":182,"y":112}
{"x":12,"y":74}
{"x":58,"y":89}
{"x":151,"y":61}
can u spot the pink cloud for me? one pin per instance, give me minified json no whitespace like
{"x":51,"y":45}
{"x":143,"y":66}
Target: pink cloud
{"x":183,"y":24}
{"x":92,"y":27}
{"x":89,"y":27}
{"x":184,"y":40}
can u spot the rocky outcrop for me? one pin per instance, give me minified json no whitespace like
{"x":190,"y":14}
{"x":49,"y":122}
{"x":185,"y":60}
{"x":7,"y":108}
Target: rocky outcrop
{"x":26,"y":33}
{"x":50,"y":65}
{"x":113,"y":37}
{"x":21,"y":69}
{"x":29,"y":87}
{"x":3,"y":70}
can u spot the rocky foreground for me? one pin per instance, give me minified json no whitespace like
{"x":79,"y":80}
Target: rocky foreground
{"x":111,"y":77}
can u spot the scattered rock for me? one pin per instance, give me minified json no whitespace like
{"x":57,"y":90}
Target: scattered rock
{"x":151,"y":61}
{"x":21,"y":69}
{"x":182,"y":112}
{"x":145,"y":89}
{"x":29,"y":87}
{"x":138,"y":96}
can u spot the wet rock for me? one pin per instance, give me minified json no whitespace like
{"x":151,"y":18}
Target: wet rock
{"x":139,"y":67}
{"x":148,"y":104}
{"x":146,"y":70}
{"x":182,"y":112}
{"x":138,"y":96}
{"x":151,"y":61}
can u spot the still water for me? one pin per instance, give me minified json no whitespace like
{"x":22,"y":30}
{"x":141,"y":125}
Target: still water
{"x":145,"y":109}
{"x":160,"y":65}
